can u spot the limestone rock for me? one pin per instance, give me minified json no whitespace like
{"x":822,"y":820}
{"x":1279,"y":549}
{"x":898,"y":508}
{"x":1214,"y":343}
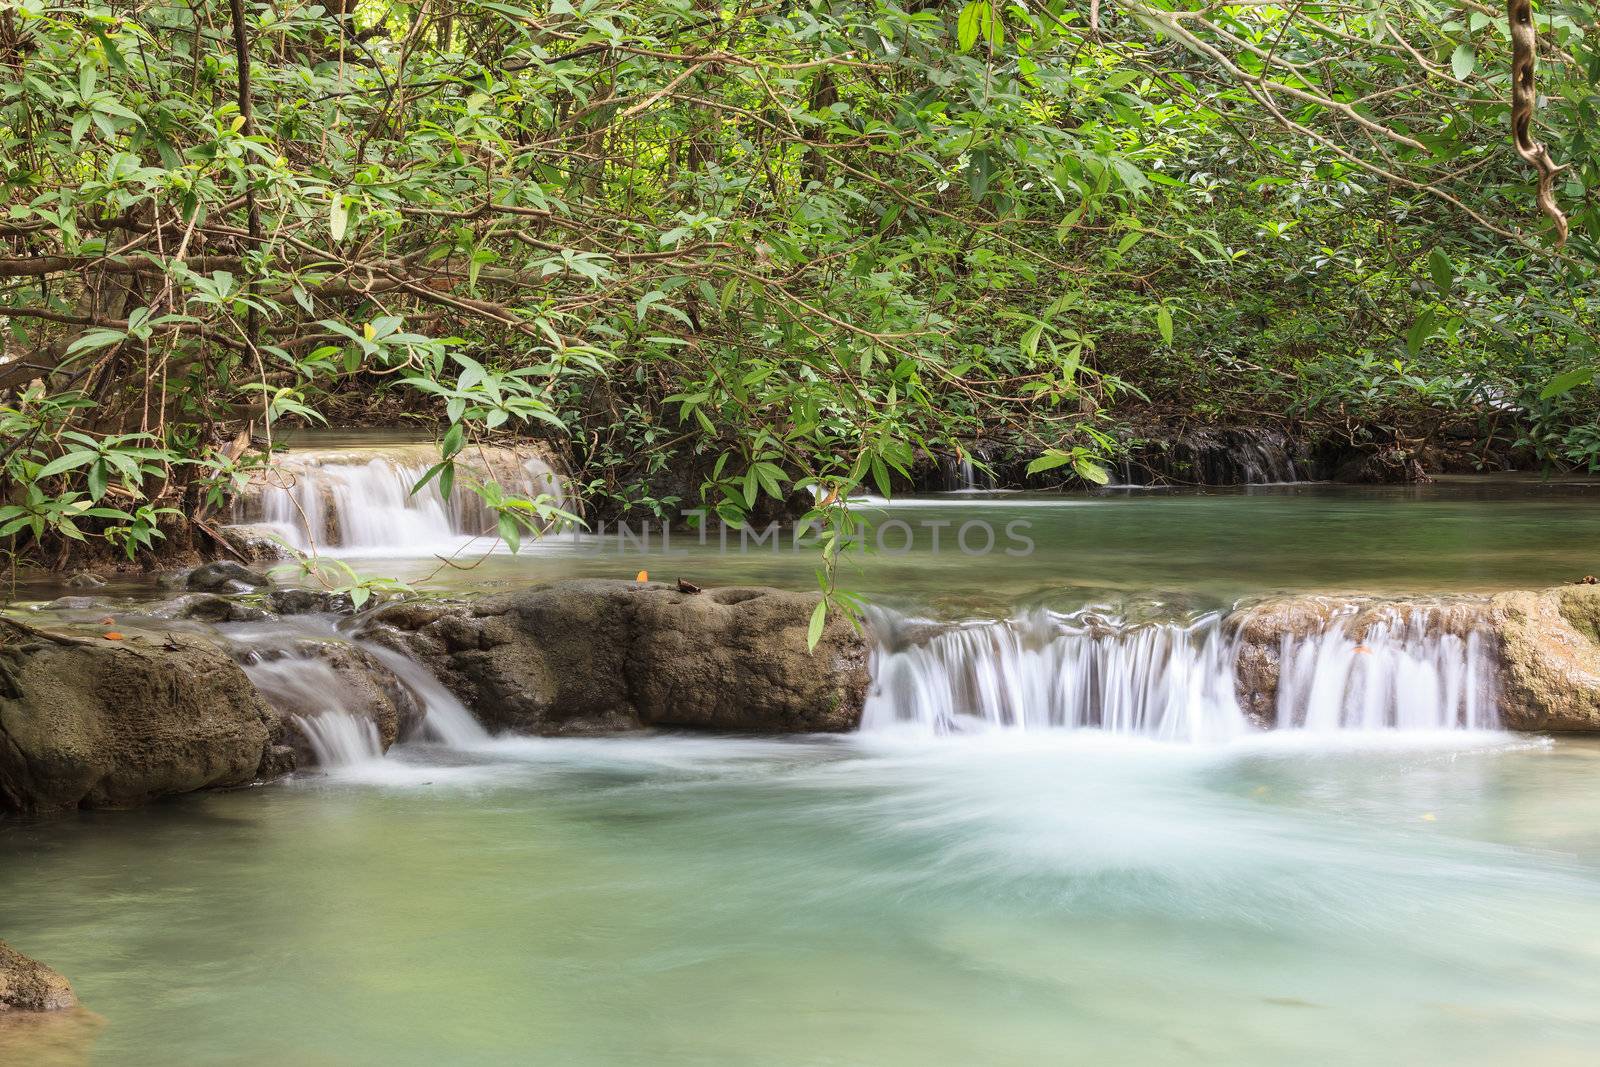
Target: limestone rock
{"x":594,"y":656}
{"x":91,"y":722}
{"x":1261,"y":630}
{"x":258,"y":543}
{"x":225,"y":576}
{"x":1550,"y":658}
{"x":208,"y":607}
{"x":27,"y":985}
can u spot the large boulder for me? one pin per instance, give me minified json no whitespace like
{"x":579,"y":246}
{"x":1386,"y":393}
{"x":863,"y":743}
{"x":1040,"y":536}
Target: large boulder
{"x":595,"y":656}
{"x":93,"y":722}
{"x":1550,"y":658}
{"x":28,"y":985}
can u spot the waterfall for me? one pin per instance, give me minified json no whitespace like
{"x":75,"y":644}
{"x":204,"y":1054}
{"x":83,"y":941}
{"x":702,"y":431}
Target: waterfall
{"x":1402,"y":674}
{"x":304,"y":667}
{"x":446,"y":719}
{"x":1225,"y":456}
{"x":1175,"y":681}
{"x":959,"y":474}
{"x":339,"y":739}
{"x":364,"y":500}
{"x":1041,"y":671}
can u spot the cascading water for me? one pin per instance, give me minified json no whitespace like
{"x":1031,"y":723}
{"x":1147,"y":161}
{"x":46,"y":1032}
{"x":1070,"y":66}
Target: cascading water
{"x":1176,"y":681}
{"x":340,"y":740}
{"x":1404,"y":673}
{"x":446,"y":719}
{"x":291,"y":663}
{"x":1169,"y":682}
{"x":365,"y":500}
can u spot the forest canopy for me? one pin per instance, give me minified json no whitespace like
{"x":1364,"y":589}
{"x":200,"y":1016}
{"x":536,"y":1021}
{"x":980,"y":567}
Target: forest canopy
{"x":790,"y":245}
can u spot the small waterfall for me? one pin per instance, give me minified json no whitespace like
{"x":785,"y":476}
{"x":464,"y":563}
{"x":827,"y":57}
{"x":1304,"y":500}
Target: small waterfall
{"x":311,"y":670}
{"x":1170,"y":682}
{"x":1402,"y":674}
{"x":446,"y":719}
{"x":1178,"y":681}
{"x":1227,"y":456}
{"x":959,"y":474}
{"x":340,"y":740}
{"x":362,"y":499}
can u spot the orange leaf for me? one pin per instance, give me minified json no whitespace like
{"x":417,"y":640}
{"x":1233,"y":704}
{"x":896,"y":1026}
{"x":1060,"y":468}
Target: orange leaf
{"x":644,"y":576}
{"x":112,"y":636}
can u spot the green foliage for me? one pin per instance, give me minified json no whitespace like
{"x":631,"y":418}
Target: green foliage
{"x":796,"y":246}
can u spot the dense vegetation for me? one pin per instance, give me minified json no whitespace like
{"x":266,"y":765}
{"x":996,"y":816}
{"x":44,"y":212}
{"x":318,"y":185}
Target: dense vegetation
{"x":776,"y":243}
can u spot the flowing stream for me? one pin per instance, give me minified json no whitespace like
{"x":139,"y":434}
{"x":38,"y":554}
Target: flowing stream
{"x":1062,"y":833}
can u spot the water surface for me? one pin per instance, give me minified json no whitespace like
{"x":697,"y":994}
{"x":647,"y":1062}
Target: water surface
{"x":861,"y":900}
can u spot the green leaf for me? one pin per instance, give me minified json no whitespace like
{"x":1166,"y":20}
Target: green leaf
{"x":1463,"y":60}
{"x":1048,"y":462}
{"x":1164,"y":322}
{"x":510,"y":533}
{"x":1443,"y":272}
{"x":978,"y":173}
{"x":1420,"y":331}
{"x":97,"y":480}
{"x":1563,"y":384}
{"x":67,"y":462}
{"x":819,"y":618}
{"x":454,"y":438}
{"x":967,"y":24}
{"x":1090,"y":471}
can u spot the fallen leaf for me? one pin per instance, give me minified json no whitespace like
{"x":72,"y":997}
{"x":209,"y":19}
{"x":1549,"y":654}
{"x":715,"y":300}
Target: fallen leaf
{"x":1363,"y":650}
{"x":1429,"y":817}
{"x":112,"y":636}
{"x":644,"y":576}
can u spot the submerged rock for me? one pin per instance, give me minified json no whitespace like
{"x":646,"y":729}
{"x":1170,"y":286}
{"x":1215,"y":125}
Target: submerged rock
{"x":225,"y":576}
{"x":309,"y":602}
{"x":1550,"y":658}
{"x":208,"y":607}
{"x":28,"y":985}
{"x":594,"y":656}
{"x":91,"y":722}
{"x":75,"y":603}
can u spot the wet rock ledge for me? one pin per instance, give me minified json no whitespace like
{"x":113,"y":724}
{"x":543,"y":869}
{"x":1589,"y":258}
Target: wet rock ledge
{"x":592,"y":656}
{"x":1544,"y":645}
{"x":99,"y":718}
{"x":91,"y":717}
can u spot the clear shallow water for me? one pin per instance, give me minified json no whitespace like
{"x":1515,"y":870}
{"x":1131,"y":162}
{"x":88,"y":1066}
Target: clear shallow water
{"x":1190,"y":549}
{"x":862,"y":900}
{"x":1193,"y":548}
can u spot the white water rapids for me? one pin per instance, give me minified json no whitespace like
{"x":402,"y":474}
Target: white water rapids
{"x":1174,"y":681}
